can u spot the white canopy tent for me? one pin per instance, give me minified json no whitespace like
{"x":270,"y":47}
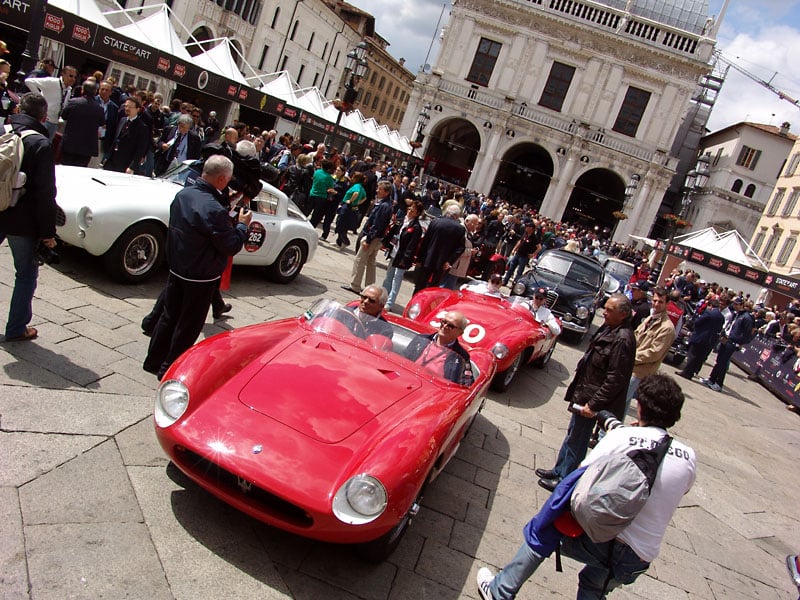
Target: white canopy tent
{"x":157,"y":31}
{"x":86,"y":9}
{"x":219,"y":59}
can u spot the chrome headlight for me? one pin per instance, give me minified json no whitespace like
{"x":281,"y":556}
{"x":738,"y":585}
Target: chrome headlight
{"x":500,"y":351}
{"x":172,"y":399}
{"x":85,"y":217}
{"x":414,"y":311}
{"x":581,"y":312}
{"x":518,"y":289}
{"x":361,"y":499}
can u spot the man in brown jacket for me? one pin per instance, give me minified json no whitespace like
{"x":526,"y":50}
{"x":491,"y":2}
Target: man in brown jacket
{"x":654,"y":336}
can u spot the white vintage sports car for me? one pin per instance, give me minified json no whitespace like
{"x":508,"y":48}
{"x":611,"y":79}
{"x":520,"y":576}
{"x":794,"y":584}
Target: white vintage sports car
{"x":124,"y":219}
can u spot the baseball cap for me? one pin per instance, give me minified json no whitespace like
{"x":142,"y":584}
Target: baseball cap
{"x":641,"y":285}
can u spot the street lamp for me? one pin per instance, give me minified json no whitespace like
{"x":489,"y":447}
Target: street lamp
{"x":422,"y":122}
{"x":356,"y":68}
{"x":630,"y":191}
{"x":30,"y":56}
{"x":696,"y":179}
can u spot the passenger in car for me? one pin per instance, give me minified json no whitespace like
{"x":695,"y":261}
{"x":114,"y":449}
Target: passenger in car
{"x":440,"y":352}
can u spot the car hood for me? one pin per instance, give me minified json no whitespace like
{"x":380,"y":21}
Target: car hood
{"x":100,"y":187}
{"x":327,"y":389}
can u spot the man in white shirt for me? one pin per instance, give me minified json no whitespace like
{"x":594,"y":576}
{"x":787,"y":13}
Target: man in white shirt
{"x":621,"y":560}
{"x":57,"y":91}
{"x":542,"y":314}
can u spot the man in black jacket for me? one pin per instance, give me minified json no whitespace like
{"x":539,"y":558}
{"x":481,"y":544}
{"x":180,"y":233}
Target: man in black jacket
{"x":32,"y":221}
{"x":200,"y":239}
{"x":83,"y":117}
{"x":177,"y":143}
{"x":131,"y":141}
{"x":705,"y":334}
{"x":443,"y":243}
{"x":600,"y":383}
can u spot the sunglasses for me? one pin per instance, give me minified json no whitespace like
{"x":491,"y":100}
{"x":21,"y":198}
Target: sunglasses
{"x":447,"y":324}
{"x":368,"y":299}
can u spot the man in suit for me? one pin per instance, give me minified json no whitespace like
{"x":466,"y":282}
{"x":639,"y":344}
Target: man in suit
{"x":443,"y":243}
{"x":83,"y":117}
{"x":705,"y":334}
{"x":177,"y":143}
{"x":131,"y":141}
{"x":111,"y":112}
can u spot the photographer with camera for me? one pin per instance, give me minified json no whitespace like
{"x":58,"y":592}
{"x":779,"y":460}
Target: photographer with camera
{"x":31,"y":223}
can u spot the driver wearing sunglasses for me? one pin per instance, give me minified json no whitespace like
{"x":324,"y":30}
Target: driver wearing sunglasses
{"x":455,"y":363}
{"x":370,"y":311}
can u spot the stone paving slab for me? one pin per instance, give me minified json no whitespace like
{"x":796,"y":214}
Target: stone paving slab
{"x":13,"y":560}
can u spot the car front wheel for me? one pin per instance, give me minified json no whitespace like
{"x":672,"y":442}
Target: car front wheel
{"x":137,"y":254}
{"x":289,"y":262}
{"x":504,"y":378}
{"x":380,"y":549}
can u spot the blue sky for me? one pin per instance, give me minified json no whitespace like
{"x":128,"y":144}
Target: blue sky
{"x":761,"y":36}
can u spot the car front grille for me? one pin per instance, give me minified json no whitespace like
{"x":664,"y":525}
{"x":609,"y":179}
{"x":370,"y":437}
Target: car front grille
{"x":551,"y":299}
{"x":256,"y":497}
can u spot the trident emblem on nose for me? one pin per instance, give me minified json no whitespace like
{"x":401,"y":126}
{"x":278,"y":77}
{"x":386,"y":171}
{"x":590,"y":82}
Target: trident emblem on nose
{"x":244,"y":485}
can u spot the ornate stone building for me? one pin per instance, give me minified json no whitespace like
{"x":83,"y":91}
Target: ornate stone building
{"x":561,"y":103}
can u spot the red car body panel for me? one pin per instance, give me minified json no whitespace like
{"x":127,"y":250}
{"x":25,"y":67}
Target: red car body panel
{"x":280,"y":416}
{"x":492,"y":320}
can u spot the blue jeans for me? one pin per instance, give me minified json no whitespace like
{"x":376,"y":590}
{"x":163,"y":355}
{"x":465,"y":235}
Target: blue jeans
{"x":449,"y":281}
{"x":392,"y":283}
{"x":633,"y":387}
{"x":614,"y":559}
{"x":517,"y":262}
{"x":20,"y":313}
{"x":575,"y":444}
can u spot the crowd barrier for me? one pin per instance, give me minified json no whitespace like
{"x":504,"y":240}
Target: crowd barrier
{"x":762,"y":360}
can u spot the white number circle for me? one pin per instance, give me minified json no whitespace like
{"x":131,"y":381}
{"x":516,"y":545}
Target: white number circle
{"x":473,"y":334}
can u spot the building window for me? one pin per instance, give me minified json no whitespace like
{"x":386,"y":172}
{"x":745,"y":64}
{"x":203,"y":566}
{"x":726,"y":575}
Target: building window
{"x":396,"y":90}
{"x":788,"y":247}
{"x":327,"y":88}
{"x":555,"y":90}
{"x":737,"y":186}
{"x":263,"y":58}
{"x":294,"y":29}
{"x":375,"y":102}
{"x":283,"y":62}
{"x":758,"y":241}
{"x":310,"y":41}
{"x":750,"y":190}
{"x":793,"y":162}
{"x":275,"y":17}
{"x":777,"y":198}
{"x":336,"y":61}
{"x":300,"y":73}
{"x":717,"y":156}
{"x":389,"y":88}
{"x":791,"y":203}
{"x":631,"y":111}
{"x":383,"y":107}
{"x":483,"y":64}
{"x":372,"y":79}
{"x":772,"y":243}
{"x":324,"y":49}
{"x":316,"y":79}
{"x":748,"y":157}
{"x":367,"y":97}
{"x":382,"y":83}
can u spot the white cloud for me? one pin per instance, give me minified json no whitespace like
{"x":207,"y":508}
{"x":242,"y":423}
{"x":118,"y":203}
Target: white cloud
{"x":770,"y":57}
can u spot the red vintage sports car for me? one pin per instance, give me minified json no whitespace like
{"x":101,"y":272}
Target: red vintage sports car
{"x":319,"y":425}
{"x":504,"y":326}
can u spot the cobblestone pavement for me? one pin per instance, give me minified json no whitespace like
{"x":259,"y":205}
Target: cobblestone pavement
{"x":91,"y":508}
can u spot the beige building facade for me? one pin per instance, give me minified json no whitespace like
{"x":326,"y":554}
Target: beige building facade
{"x":560,"y":104}
{"x":775,"y":238}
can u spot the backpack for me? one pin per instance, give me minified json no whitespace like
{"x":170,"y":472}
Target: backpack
{"x":12,"y":180}
{"x":613,"y":490}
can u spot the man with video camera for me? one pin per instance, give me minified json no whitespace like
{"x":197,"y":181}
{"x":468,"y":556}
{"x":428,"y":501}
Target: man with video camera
{"x":30,"y":225}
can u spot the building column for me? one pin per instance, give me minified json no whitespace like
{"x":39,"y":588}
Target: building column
{"x":641,"y":215}
{"x":555,"y":201}
{"x":485,"y":167}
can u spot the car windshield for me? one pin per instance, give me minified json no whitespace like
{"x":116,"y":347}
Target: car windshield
{"x":619,"y":270}
{"x":587,"y":274}
{"x":417,"y":352}
{"x":266,"y":203}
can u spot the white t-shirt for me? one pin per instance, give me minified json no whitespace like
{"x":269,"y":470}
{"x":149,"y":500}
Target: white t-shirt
{"x":674,"y":480}
{"x":544,"y":316}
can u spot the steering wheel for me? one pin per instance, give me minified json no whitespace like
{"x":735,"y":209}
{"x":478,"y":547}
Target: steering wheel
{"x":352,"y":322}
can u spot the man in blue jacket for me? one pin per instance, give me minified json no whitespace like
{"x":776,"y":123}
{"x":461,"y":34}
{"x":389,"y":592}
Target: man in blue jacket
{"x":200,"y":239}
{"x":705,"y":334}
{"x":741,"y":332}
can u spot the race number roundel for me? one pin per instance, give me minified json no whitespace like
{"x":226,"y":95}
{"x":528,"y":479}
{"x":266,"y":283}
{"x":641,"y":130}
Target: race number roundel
{"x":255,"y":236}
{"x":473,"y":334}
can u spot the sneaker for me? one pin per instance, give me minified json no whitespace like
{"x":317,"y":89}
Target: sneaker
{"x":703,"y":381}
{"x":485,"y":579}
{"x":714,"y":386}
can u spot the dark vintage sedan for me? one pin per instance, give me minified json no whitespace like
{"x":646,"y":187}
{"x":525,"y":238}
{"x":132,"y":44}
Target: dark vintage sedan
{"x":574,"y":284}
